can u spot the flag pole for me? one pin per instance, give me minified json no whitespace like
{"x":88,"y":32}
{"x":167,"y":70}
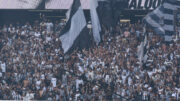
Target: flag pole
{"x":145,"y":44}
{"x":142,"y":47}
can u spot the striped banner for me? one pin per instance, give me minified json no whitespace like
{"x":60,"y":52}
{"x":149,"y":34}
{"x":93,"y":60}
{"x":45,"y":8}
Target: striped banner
{"x":162,"y":19}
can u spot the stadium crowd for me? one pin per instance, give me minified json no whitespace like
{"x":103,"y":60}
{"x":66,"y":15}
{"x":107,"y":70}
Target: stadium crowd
{"x":33,"y":66}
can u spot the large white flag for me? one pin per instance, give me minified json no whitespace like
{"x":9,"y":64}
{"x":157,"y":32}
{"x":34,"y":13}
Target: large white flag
{"x":95,"y":21}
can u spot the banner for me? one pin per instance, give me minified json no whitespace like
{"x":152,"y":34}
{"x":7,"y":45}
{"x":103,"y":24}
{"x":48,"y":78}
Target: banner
{"x":133,"y":4}
{"x":20,"y":4}
{"x":144,"y":4}
{"x":65,"y":4}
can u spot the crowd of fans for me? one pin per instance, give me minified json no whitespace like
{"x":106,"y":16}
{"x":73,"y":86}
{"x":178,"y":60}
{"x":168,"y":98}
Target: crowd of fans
{"x":33,"y":66}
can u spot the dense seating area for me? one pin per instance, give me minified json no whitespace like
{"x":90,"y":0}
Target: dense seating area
{"x":33,"y":66}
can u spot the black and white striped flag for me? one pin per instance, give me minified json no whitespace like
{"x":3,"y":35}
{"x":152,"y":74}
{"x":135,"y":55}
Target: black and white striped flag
{"x":162,"y":19}
{"x":95,"y":21}
{"x":75,"y":34}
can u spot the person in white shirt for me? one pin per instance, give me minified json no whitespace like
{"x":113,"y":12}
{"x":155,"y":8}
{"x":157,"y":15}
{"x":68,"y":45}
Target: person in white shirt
{"x":53,"y":81}
{"x":49,"y":26}
{"x":78,"y":82}
{"x":5,"y":29}
{"x":77,"y":96}
{"x":48,"y":38}
{"x":3,"y":67}
{"x":37,"y":34}
{"x":38,"y":82}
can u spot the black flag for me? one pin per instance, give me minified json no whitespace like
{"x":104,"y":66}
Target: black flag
{"x":109,"y":11}
{"x":105,"y":12}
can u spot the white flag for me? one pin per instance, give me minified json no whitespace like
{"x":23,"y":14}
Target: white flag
{"x":95,"y":21}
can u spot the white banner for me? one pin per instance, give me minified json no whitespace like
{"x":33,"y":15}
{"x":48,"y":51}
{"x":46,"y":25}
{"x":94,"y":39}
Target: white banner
{"x":65,"y":4}
{"x":19,"y":4}
{"x":133,"y":4}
